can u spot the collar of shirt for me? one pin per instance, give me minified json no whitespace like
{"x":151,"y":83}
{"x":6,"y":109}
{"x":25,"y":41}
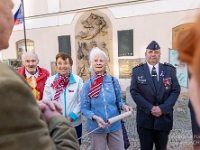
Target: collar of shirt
{"x":28,"y":75}
{"x":157,"y":69}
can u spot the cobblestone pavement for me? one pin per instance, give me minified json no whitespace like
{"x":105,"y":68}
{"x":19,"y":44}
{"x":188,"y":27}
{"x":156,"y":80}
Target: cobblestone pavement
{"x":179,"y":138}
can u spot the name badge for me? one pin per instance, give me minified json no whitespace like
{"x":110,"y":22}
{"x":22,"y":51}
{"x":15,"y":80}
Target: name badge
{"x":142,"y":79}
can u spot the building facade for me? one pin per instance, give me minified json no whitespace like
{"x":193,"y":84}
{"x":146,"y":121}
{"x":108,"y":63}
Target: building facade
{"x":122,"y":28}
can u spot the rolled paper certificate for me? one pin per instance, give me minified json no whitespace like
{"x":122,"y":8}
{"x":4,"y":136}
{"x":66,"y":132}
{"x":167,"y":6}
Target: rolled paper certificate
{"x":119,"y":117}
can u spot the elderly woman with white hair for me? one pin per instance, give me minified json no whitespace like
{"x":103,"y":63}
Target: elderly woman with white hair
{"x":98,"y":103}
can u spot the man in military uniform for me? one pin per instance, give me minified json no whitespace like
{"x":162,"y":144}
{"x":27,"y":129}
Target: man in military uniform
{"x":155,"y":89}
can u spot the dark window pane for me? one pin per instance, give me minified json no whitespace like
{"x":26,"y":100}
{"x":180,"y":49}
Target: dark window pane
{"x":64,"y":44}
{"x":125,"y":43}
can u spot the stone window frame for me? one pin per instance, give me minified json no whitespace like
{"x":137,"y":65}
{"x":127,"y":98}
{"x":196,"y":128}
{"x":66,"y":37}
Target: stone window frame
{"x":21,"y":43}
{"x":176,"y":30}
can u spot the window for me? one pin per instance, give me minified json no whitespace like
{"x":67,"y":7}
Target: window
{"x":20,"y":46}
{"x":64,"y":44}
{"x":125,"y":43}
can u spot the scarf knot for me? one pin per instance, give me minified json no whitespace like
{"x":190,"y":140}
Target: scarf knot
{"x":96,"y":86}
{"x":60,"y":83}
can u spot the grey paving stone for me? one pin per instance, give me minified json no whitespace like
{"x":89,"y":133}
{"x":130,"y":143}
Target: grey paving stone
{"x":180,"y":137}
{"x":129,"y":99}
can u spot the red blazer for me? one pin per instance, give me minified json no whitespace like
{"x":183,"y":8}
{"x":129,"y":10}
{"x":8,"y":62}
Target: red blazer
{"x":43,"y":74}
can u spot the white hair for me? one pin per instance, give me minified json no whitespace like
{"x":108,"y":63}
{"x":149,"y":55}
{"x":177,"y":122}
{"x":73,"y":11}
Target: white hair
{"x":29,"y":53}
{"x":95,"y":52}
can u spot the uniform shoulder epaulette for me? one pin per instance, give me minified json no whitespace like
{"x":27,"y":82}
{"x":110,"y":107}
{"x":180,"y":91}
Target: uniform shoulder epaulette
{"x":168,"y":64}
{"x":141,"y":64}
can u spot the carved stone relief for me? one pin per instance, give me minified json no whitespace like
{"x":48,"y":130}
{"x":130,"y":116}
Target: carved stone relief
{"x":94,"y":25}
{"x":83,"y":63}
{"x":93,"y":29}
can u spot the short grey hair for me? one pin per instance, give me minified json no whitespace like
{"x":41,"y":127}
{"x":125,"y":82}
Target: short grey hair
{"x":94,"y":52}
{"x":97,"y":51}
{"x":29,"y":53}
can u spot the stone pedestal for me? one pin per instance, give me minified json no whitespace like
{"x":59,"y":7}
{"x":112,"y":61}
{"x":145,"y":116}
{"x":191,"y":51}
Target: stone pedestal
{"x":129,"y":100}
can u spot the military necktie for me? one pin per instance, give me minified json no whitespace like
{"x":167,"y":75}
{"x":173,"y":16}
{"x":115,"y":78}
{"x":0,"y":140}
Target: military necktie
{"x":154,"y":77}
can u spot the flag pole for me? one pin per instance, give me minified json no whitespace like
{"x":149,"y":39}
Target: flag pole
{"x":24,"y":25}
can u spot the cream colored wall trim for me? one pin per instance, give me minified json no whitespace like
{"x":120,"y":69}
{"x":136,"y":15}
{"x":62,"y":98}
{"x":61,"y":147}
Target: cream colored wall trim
{"x":162,"y":6}
{"x":144,"y":8}
{"x":46,"y":22}
{"x":66,"y":19}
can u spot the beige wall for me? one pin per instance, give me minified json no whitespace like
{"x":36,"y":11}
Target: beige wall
{"x":146,"y":28}
{"x":41,"y":7}
{"x":35,"y":7}
{"x":120,"y":8}
{"x":82,"y":4}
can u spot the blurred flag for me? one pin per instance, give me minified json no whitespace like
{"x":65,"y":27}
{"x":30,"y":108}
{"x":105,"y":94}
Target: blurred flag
{"x":18,"y":17}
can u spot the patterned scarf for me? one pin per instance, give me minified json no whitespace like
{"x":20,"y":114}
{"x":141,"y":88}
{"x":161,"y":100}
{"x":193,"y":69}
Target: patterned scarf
{"x":60,"y":83}
{"x":96,"y":86}
{"x":32,"y":81}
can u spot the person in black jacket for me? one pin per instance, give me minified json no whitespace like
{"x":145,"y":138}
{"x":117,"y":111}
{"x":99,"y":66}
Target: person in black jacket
{"x":195,"y":126}
{"x":188,"y":46}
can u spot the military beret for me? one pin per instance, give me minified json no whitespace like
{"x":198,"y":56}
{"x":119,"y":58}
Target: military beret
{"x":153,"y":46}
